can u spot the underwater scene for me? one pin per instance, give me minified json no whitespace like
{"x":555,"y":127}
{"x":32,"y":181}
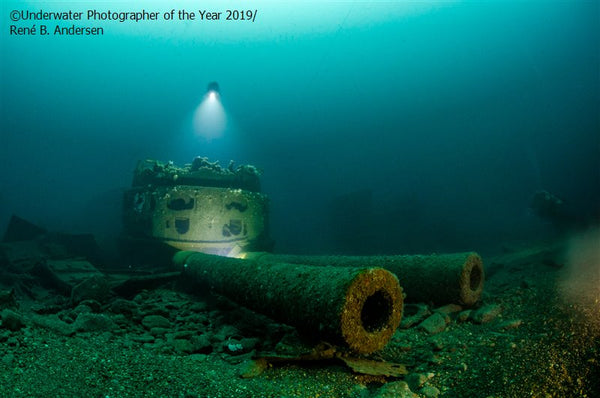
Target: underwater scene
{"x":312,"y":199}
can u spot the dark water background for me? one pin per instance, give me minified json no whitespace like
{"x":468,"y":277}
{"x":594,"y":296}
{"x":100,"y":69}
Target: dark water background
{"x":379,"y":127}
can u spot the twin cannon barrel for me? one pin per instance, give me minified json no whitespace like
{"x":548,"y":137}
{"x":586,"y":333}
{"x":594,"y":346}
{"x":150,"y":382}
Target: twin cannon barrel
{"x":353,"y":301}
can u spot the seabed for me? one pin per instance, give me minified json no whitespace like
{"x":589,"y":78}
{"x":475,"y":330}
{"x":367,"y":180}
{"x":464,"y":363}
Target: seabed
{"x":535,"y":333}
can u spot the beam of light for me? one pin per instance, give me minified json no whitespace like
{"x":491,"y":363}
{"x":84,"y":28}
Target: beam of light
{"x":209,"y":118}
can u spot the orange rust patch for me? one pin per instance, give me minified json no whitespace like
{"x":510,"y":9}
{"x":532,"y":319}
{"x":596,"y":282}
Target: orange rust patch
{"x":372,"y":282}
{"x":471,"y":279}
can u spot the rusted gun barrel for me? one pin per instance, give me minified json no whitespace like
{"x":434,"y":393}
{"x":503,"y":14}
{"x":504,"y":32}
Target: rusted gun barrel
{"x":436,"y":278}
{"x":359,"y":307}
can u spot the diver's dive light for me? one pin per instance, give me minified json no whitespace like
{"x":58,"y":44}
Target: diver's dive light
{"x":209,"y":117}
{"x":213,"y":90}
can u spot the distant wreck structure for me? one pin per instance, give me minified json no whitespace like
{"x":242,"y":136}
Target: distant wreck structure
{"x":200,"y":207}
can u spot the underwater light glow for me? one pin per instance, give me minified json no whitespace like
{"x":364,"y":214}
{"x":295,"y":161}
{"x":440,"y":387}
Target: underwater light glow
{"x":209,"y":117}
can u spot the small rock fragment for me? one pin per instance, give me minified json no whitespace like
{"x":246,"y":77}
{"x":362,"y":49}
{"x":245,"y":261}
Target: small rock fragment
{"x":156,"y":321}
{"x":413,"y":314}
{"x":125,"y":307}
{"x":7,"y":299}
{"x":416,"y":380}
{"x":449,"y":309}
{"x":436,"y":323}
{"x":253,"y":368}
{"x":12,"y":320}
{"x":182,"y":346}
{"x":463,"y":315}
{"x":375,"y":368}
{"x":429,"y":392}
{"x":486,"y":313}
{"x":86,"y":322}
{"x":82,"y":309}
{"x":93,"y":305}
{"x":156,"y":332}
{"x":360,"y":391}
{"x":143,"y":338}
{"x":510,"y":324}
{"x":199,"y":306}
{"x":54,"y":323}
{"x":397,"y":389}
{"x":202,"y":344}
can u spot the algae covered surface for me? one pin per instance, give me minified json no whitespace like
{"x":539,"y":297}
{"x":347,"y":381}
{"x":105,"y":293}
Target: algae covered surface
{"x":363,"y":128}
{"x":531,"y":335}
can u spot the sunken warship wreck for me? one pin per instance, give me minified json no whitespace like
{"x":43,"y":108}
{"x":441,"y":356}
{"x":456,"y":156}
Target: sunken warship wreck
{"x":204,"y":307}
